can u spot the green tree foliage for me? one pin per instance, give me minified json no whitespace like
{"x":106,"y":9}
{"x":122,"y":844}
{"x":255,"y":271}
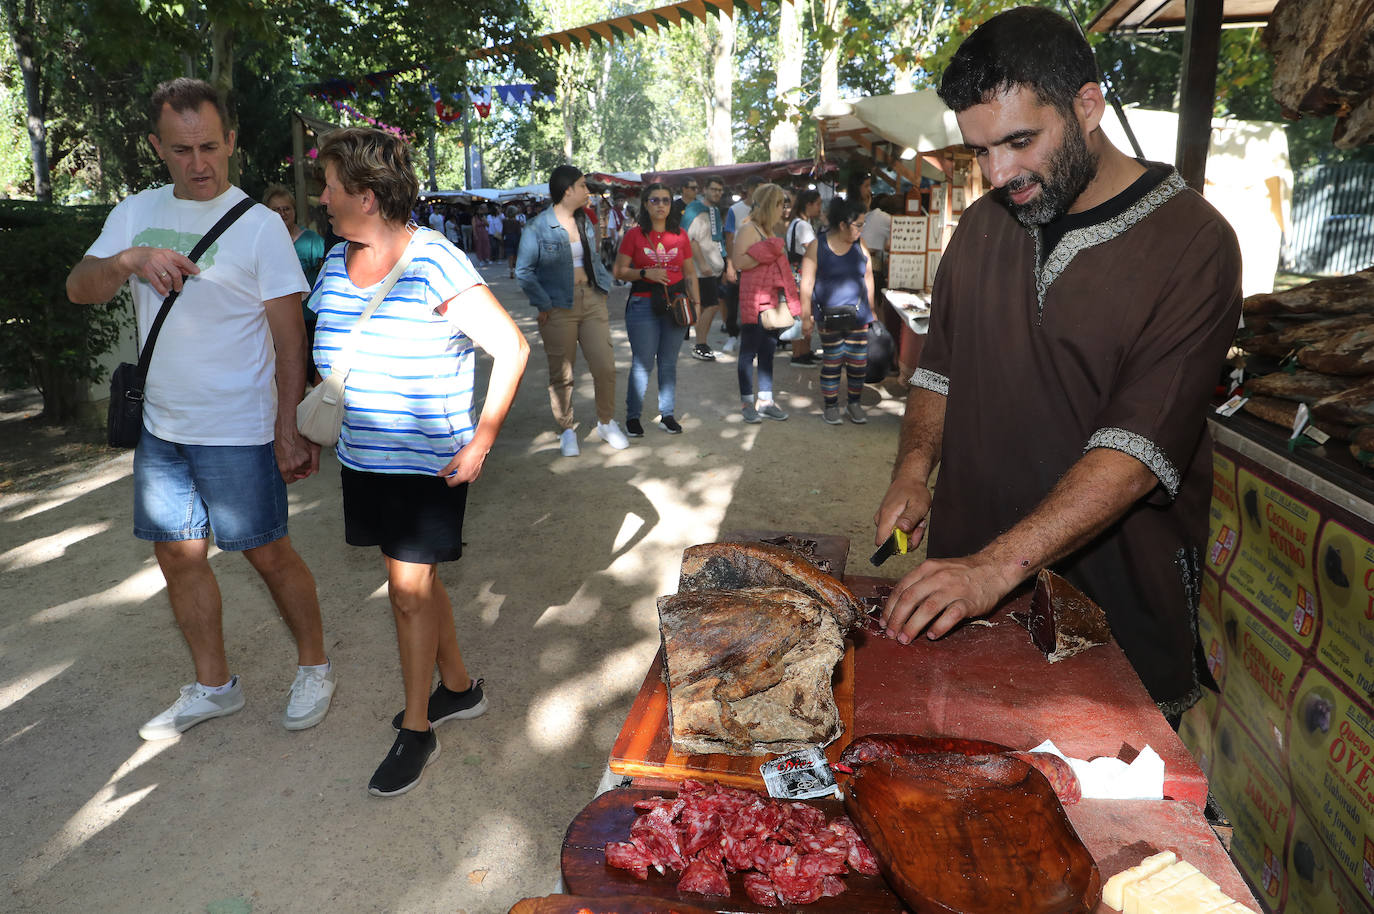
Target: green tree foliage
{"x":46,"y":341}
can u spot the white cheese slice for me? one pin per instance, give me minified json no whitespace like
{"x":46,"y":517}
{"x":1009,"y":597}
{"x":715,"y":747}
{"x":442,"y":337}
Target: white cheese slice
{"x":1195,"y":894}
{"x":1112,"y":891}
{"x":1166,"y":878}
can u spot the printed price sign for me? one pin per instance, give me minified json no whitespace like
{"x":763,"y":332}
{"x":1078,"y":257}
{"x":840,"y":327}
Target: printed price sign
{"x":908,"y":235}
{"x":799,"y":775}
{"x":906,"y":271}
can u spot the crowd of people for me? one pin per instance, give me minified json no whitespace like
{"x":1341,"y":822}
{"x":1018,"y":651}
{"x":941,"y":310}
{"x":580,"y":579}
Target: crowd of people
{"x":745,"y":265}
{"x":1112,"y":476}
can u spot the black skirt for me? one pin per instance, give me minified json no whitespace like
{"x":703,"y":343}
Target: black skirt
{"x":417,"y":519}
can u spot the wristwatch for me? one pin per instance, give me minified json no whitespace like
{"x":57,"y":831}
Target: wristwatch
{"x":641,"y":274}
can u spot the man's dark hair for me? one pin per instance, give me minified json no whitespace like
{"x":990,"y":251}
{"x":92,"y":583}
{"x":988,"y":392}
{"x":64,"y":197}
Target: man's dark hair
{"x":562,"y":178}
{"x":753,"y":181}
{"x":712,"y":179}
{"x":184,"y":95}
{"x":1027,"y":46}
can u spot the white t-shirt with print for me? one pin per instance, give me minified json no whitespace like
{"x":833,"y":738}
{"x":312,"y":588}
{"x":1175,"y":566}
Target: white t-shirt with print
{"x":212,"y":376}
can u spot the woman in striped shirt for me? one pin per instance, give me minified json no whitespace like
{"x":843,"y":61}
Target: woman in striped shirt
{"x":409,"y":445}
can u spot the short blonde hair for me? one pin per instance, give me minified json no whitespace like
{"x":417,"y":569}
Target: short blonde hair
{"x":767,"y":200}
{"x":368,"y":159}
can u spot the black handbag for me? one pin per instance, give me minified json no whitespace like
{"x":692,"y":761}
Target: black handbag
{"x":124,"y":419}
{"x":840,"y":319}
{"x":661,"y":296}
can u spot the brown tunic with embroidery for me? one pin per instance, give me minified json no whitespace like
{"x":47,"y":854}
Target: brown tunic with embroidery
{"x":1117,"y":342}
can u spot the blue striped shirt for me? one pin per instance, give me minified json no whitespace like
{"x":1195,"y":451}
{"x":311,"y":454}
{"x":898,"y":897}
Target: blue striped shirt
{"x":410,"y":389}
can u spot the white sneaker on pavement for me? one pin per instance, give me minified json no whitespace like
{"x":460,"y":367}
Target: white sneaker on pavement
{"x":311,"y":694}
{"x":195,"y":705}
{"x":731,"y":344}
{"x":567,"y":443}
{"x":611,"y":434}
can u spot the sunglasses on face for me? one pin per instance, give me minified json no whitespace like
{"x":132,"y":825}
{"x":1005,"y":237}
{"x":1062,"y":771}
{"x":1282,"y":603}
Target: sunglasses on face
{"x":664,"y":201}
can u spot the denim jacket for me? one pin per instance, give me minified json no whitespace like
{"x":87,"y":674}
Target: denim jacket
{"x":544,"y":264}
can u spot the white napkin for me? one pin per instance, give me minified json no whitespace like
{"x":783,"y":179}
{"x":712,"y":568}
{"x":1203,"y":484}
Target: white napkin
{"x":1108,"y":778}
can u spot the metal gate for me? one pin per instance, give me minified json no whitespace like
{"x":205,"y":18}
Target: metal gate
{"x":1333,"y":220}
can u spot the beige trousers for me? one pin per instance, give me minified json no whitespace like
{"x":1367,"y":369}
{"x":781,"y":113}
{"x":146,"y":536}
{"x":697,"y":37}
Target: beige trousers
{"x":587,"y":323}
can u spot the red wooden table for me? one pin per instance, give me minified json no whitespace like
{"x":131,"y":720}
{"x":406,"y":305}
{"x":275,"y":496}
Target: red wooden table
{"x":987,"y":682}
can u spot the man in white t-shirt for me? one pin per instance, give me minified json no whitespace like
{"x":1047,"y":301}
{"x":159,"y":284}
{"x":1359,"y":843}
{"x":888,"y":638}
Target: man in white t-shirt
{"x":219,"y":438}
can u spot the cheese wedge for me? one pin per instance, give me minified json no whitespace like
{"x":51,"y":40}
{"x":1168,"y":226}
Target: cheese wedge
{"x":1167,"y":878}
{"x":1195,"y":894}
{"x":1112,"y":891}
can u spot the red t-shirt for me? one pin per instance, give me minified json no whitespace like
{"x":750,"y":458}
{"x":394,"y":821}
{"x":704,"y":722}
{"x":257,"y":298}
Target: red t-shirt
{"x":669,"y":250}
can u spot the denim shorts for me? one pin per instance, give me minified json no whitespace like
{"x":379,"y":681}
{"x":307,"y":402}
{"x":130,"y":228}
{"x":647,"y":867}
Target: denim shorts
{"x":182,"y":491}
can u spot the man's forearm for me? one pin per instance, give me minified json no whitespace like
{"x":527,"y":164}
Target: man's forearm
{"x":922,"y":435}
{"x":1094,"y":494}
{"x":96,"y":280}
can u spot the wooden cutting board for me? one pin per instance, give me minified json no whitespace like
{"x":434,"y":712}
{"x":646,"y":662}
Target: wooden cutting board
{"x":609,"y":817}
{"x":643,"y":749}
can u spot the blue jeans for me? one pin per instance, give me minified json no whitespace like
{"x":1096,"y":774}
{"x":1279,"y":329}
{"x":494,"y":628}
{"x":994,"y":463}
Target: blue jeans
{"x":652,"y":337}
{"x":755,"y":341}
{"x":182,"y":490}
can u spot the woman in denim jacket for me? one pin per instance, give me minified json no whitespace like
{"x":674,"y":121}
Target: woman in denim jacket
{"x":567,"y":282}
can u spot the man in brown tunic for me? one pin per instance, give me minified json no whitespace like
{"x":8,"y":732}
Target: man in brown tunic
{"x":1080,"y":318}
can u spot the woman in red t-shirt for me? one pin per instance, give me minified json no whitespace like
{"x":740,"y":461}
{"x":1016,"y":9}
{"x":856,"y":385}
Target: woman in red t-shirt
{"x":654,"y":252}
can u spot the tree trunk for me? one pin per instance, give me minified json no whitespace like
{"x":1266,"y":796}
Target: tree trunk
{"x":830,"y":58}
{"x":566,"y":87}
{"x":720,"y":146}
{"x":222,"y":78}
{"x":782,"y":142}
{"x":433,"y":156}
{"x":23,"y":35}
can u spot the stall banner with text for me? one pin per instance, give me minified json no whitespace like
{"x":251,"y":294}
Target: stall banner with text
{"x":1286,"y":623}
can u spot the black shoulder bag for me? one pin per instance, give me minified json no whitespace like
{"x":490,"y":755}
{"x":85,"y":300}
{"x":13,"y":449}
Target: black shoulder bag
{"x":124,"y":423}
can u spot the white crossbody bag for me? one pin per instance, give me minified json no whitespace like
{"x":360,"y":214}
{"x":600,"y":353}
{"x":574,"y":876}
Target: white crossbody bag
{"x":320,"y":415}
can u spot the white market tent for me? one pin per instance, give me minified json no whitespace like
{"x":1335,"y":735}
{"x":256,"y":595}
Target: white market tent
{"x":1249,"y":180}
{"x":891,"y":130}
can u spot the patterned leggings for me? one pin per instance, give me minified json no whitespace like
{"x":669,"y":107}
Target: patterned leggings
{"x":843,"y":349}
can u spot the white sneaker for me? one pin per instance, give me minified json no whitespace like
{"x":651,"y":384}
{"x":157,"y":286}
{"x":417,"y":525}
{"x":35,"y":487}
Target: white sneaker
{"x":311,"y":694}
{"x":196,"y":704}
{"x":567,"y":443}
{"x":731,"y":344}
{"x":611,"y":434}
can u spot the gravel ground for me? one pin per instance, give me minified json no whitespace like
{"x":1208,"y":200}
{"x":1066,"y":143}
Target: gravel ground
{"x":555,"y":602}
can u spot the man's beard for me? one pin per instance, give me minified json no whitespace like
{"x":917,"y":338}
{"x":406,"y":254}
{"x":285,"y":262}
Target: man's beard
{"x":1072,"y":167}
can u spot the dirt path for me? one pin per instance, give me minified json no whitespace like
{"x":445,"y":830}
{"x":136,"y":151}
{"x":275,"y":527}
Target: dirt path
{"x":555,"y":604}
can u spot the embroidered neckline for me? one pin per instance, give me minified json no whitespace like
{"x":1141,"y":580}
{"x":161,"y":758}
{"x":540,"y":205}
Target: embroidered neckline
{"x":1079,"y":240}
